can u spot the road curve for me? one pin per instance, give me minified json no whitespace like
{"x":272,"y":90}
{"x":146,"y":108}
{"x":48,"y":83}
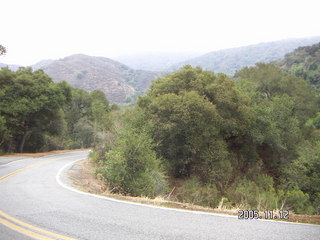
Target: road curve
{"x":33,"y":205}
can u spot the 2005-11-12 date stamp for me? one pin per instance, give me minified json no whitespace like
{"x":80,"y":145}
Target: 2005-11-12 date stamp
{"x":267,"y":214}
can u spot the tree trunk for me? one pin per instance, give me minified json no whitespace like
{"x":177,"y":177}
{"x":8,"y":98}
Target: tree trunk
{"x":23,"y":140}
{"x":9,"y":150}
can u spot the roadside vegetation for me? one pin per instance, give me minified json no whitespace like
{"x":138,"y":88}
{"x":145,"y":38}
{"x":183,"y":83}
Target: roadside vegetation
{"x":207,"y":139}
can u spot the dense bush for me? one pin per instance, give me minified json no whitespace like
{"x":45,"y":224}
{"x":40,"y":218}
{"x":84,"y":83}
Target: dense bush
{"x":257,"y":193}
{"x":195,"y":192}
{"x":131,"y":166}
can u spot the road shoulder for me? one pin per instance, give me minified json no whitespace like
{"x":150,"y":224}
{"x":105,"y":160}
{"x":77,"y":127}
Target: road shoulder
{"x":81,"y":175}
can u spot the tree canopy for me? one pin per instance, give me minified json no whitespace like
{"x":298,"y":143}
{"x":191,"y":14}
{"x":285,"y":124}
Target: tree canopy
{"x":38,"y":114}
{"x":30,"y":105}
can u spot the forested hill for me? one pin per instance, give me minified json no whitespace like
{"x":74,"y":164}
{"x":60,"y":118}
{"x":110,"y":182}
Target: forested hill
{"x":304,"y":62}
{"x":230,"y":60}
{"x":115,"y":79}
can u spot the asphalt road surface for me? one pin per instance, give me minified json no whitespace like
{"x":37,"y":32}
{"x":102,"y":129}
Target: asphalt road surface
{"x":36,"y":204}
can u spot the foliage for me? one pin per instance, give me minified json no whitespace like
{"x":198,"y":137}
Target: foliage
{"x":282,"y":104}
{"x":30,"y":104}
{"x":195,"y":113}
{"x":3,"y":50}
{"x":270,"y":81}
{"x":239,"y":138}
{"x":314,"y":122}
{"x":256,"y":193}
{"x":87,"y":117}
{"x":304,"y":62}
{"x":193,"y":191}
{"x":299,"y":202}
{"x":304,"y":173}
{"x":252,"y":140}
{"x":131,"y":166}
{"x":37,"y":114}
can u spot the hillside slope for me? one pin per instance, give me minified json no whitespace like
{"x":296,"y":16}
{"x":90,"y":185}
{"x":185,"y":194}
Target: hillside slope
{"x":116,"y":79}
{"x":230,"y":60}
{"x":304,"y":62}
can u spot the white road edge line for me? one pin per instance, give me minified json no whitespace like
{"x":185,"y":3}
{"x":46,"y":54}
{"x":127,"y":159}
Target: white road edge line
{"x":61,"y":170}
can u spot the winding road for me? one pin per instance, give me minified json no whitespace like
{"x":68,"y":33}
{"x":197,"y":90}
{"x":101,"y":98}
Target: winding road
{"x":36,"y":202}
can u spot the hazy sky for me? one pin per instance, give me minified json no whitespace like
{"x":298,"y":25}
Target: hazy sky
{"x":33,"y":30}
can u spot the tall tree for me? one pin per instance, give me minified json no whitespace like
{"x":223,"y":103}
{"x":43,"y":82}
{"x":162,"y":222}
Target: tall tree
{"x":30,"y":103}
{"x":197,"y":115}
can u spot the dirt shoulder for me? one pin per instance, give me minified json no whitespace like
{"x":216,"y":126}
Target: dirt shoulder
{"x":83,"y":178}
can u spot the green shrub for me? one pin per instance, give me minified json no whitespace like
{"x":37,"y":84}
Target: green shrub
{"x":132,"y":167}
{"x":299,"y":202}
{"x":94,"y":156}
{"x":258,"y":194}
{"x":51,"y":143}
{"x":316,"y":204}
{"x":195,"y":192}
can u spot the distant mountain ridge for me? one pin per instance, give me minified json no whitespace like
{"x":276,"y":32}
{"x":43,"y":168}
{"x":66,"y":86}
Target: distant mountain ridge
{"x":117,"y":80}
{"x":155,"y":61}
{"x":230,"y":60}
